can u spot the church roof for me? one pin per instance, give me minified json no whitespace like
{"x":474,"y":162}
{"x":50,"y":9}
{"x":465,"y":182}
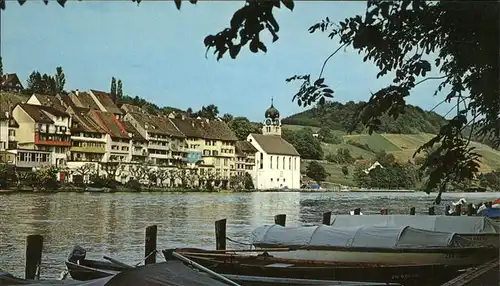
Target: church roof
{"x":272,"y":112}
{"x":274,"y":144}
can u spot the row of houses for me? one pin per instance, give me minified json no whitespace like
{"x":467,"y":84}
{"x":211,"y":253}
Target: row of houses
{"x":70,"y":131}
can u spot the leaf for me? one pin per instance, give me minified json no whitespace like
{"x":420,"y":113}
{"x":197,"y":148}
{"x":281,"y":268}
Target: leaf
{"x":178,"y":4}
{"x":61,"y":2}
{"x":327,"y":90}
{"x":46,"y":2}
{"x":262,"y":47}
{"x":254,"y":45}
{"x":319,"y":81}
{"x":193,"y":1}
{"x":322,"y":101}
{"x":289,"y":4}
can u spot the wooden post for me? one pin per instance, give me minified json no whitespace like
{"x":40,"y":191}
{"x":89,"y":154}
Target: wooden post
{"x":470,"y":210}
{"x":220,"y":234}
{"x":327,"y":218}
{"x":447,"y":210}
{"x":458,"y":210}
{"x":150,"y":244}
{"x":432,"y":211}
{"x":280,"y":219}
{"x":357,"y":211}
{"x":384,"y":211}
{"x":34,"y":246}
{"x":412,"y":211}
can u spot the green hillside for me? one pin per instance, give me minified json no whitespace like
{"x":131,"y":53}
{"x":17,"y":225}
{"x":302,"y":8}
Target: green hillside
{"x":402,"y":146}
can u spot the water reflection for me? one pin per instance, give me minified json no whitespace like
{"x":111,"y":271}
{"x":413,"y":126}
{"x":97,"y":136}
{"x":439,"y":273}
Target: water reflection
{"x":114,"y":224}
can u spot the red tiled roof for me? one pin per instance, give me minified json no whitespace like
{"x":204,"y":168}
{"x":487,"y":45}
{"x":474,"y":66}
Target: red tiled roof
{"x":157,"y":124}
{"x":109,"y":123}
{"x":10,"y":80}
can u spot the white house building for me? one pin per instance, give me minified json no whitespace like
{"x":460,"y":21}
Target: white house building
{"x":277,"y":163}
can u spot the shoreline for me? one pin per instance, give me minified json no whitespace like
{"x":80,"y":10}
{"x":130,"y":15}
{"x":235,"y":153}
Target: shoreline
{"x":181,"y":190}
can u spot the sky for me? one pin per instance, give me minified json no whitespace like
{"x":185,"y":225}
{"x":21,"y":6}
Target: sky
{"x":158,"y":53}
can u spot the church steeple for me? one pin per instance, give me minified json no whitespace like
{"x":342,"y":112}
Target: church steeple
{"x":272,"y":122}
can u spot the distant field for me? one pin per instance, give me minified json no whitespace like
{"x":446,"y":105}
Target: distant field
{"x":335,"y":170}
{"x":376,"y":142}
{"x":298,"y":127}
{"x":355,"y":151}
{"x":402,"y":146}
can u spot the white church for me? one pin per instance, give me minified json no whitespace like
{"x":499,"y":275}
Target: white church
{"x":277,"y":162}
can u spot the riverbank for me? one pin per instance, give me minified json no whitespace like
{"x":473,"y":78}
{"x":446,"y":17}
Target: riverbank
{"x":73,"y":189}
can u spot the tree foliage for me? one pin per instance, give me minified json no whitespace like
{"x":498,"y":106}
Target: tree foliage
{"x":42,"y":84}
{"x":241,"y":127}
{"x":60,"y":80}
{"x":399,"y":37}
{"x":490,"y":180}
{"x":1,"y":69}
{"x":119,"y":90}
{"x":316,"y":171}
{"x":305,"y":143}
{"x":112,"y":89}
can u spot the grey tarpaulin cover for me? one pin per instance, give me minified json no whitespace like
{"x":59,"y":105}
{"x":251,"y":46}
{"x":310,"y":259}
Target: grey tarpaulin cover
{"x":171,"y":273}
{"x":457,"y":224}
{"x":362,"y":236}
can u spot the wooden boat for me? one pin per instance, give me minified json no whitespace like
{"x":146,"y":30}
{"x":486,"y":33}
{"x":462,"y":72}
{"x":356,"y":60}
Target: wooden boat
{"x":98,"y":190}
{"x":477,"y":228}
{"x":260,"y":264}
{"x":372,"y":244}
{"x":83,"y":269}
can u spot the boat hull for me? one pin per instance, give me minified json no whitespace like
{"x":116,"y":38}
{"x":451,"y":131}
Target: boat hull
{"x":91,"y":269}
{"x":459,"y":257}
{"x":266,"y":265}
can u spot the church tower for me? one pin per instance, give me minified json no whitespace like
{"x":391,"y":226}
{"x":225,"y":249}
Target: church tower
{"x":272,"y":123}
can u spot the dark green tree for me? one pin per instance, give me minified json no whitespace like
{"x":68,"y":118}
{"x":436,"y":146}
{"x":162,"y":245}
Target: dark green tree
{"x":227,"y":117}
{"x":345,"y":170}
{"x":60,"y":80}
{"x":490,"y":180}
{"x":316,"y":171}
{"x":241,"y":127}
{"x":113,"y":88}
{"x":304,"y":142}
{"x":119,"y":90}
{"x":210,"y":112}
{"x":1,"y":69}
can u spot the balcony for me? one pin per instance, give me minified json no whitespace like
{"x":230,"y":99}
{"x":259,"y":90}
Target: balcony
{"x":53,"y":129}
{"x":51,"y":141}
{"x":88,"y":149}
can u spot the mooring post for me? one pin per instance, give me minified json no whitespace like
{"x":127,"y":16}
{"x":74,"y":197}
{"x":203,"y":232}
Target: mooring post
{"x":34,"y":246}
{"x":220,"y":234}
{"x":432,"y":211}
{"x":357,"y":211}
{"x":384,"y":211}
{"x":447,"y":210}
{"x":470,"y":210}
{"x":150,"y":244}
{"x":458,"y":210}
{"x":280,"y":219}
{"x":327,"y":217}
{"x":412,"y":211}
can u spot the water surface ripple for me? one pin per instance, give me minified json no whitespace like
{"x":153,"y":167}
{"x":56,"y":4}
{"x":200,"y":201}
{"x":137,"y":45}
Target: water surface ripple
{"x":113,"y":224}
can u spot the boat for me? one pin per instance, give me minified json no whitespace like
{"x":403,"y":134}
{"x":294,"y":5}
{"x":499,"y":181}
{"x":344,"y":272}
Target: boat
{"x":83,"y":269}
{"x":97,"y":190}
{"x":247,"y":265}
{"x":163,"y":273}
{"x":372,"y":244}
{"x":476,"y":228}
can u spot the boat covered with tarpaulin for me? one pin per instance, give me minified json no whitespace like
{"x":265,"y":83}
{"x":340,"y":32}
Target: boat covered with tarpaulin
{"x":372,"y":244}
{"x":478,"y":228}
{"x":170,"y":273}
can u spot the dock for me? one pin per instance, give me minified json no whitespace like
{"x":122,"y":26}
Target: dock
{"x":487,"y":274}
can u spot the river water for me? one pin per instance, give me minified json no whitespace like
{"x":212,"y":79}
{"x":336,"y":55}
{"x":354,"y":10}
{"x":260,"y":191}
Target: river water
{"x":114,"y":224}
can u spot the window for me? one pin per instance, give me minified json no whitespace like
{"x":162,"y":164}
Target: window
{"x":277,"y":162}
{"x":271,"y":162}
{"x":290,"y":163}
{"x":283,"y":180}
{"x":261,"y":161}
{"x":271,"y":179}
{"x":295,"y":163}
{"x":283,"y":167}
